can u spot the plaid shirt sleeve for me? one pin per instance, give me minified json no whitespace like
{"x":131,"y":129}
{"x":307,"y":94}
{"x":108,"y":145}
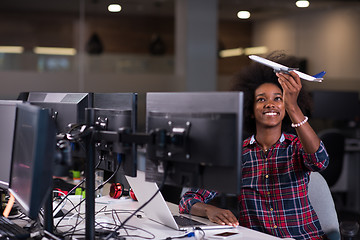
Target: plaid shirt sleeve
{"x":317,"y":161}
{"x":194,"y":196}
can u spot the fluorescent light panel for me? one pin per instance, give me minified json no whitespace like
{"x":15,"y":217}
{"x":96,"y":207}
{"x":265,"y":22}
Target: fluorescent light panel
{"x":11,"y":49}
{"x":256,"y":50}
{"x":55,"y":51}
{"x":231,"y":52}
{"x":243,"y":51}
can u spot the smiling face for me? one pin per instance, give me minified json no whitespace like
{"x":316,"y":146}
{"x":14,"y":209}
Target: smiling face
{"x":269,"y":109}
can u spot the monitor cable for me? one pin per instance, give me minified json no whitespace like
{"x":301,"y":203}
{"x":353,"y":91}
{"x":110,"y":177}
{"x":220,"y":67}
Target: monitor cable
{"x":99,"y":187}
{"x":111,"y":235}
{"x":75,"y":187}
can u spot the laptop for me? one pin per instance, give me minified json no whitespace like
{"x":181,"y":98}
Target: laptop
{"x":158,"y":210}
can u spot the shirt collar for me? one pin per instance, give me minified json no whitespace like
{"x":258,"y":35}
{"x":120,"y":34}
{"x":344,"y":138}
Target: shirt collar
{"x":252,"y":140}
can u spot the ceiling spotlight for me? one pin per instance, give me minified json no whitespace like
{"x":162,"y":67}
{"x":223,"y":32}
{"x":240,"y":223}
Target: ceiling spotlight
{"x":114,"y":8}
{"x":243,"y":14}
{"x":302,"y":3}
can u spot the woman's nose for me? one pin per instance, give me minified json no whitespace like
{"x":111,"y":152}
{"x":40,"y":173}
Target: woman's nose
{"x":269,"y":104}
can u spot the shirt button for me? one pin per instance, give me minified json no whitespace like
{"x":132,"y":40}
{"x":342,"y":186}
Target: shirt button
{"x":275,"y":226}
{"x":268,"y":193}
{"x":267,"y":176}
{"x":271,"y":209}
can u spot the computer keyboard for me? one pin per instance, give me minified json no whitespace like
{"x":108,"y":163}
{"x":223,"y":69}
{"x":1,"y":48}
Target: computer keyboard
{"x":185,"y":222}
{"x":11,"y":230}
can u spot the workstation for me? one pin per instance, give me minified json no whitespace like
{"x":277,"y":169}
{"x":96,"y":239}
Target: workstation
{"x":39,"y":153}
{"x":130,"y":64}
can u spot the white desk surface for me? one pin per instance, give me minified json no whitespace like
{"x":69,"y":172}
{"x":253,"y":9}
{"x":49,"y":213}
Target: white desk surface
{"x":142,"y":227}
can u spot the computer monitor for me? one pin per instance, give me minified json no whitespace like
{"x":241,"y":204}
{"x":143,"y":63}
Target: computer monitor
{"x":203,"y":142}
{"x":66,"y":108}
{"x":32,"y":158}
{"x":111,"y":112}
{"x":7,"y":126}
{"x":335,"y":105}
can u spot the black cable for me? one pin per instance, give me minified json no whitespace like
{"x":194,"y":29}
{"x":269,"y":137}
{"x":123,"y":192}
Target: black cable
{"x":99,"y":225}
{"x":66,"y":196}
{"x":141,"y":207}
{"x":113,"y":212}
{"x":121,"y":223}
{"x":77,"y":219}
{"x":202,"y":231}
{"x":75,"y":187}
{"x":77,"y":223}
{"x":79,"y":136}
{"x":71,"y":137}
{"x":99,"y":187}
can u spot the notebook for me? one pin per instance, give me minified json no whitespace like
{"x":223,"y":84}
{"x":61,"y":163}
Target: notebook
{"x":158,"y":210}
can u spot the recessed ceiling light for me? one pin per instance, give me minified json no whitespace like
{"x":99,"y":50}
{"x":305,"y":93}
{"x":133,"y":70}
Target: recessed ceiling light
{"x":302,"y":3}
{"x":114,"y":8}
{"x":243,"y":14}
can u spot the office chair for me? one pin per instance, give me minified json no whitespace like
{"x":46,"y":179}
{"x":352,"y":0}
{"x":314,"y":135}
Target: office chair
{"x":324,"y":206}
{"x":334,"y":142}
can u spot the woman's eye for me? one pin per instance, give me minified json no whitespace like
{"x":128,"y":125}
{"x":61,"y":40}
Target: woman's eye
{"x":278,"y":99}
{"x":260,"y":99}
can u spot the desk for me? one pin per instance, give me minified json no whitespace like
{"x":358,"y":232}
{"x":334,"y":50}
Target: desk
{"x":140,"y":227}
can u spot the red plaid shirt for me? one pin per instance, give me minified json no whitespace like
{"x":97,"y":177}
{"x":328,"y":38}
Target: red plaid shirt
{"x":274,"y":195}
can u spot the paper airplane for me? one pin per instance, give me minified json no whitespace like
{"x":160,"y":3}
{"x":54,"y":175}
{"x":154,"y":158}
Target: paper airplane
{"x":281,"y":68}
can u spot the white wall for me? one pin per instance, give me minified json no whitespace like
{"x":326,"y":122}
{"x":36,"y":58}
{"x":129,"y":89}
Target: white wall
{"x":329,"y":40}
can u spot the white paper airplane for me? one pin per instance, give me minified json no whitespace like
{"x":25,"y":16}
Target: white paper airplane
{"x":281,"y":68}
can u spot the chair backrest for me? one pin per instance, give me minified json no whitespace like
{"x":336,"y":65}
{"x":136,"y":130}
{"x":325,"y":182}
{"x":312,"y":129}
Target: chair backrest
{"x":334,"y":142}
{"x":323,"y":204}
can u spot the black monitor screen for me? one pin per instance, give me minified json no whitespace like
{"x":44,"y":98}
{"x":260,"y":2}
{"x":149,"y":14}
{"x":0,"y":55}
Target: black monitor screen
{"x":204,"y":139}
{"x":66,"y":108}
{"x":32,"y":159}
{"x":7,"y":126}
{"x":335,"y":105}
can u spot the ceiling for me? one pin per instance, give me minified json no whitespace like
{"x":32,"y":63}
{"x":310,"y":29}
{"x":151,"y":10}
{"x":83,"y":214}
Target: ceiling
{"x":227,"y":8}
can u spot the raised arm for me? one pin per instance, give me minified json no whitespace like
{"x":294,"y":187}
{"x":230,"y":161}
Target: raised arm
{"x":291,"y":85}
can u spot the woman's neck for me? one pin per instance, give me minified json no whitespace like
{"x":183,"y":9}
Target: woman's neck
{"x":267,"y":137}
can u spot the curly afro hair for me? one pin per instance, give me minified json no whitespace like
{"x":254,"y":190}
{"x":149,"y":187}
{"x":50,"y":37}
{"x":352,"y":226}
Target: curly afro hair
{"x":255,"y":74}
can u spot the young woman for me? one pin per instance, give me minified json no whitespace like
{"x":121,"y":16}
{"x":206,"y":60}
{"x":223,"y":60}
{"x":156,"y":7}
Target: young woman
{"x":276,"y":164}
